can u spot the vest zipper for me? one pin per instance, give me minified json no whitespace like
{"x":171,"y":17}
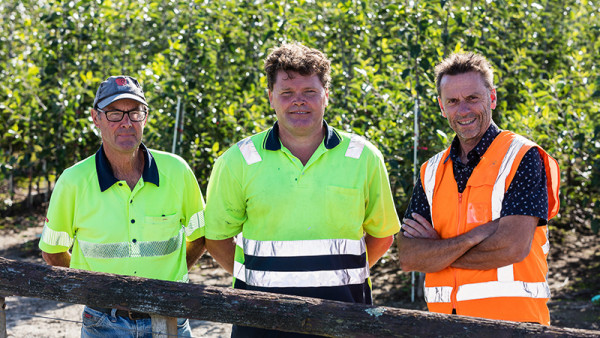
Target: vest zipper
{"x":455,"y":288}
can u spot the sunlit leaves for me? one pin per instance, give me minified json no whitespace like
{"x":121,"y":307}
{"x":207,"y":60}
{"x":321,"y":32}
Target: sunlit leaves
{"x":208,"y":55}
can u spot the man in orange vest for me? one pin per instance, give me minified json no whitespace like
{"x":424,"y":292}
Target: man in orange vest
{"x":477,"y":219}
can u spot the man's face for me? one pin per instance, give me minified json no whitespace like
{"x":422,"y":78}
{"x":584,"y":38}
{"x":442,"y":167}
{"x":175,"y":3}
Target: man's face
{"x":467,"y":104}
{"x":124,"y":136}
{"x":299,"y":102}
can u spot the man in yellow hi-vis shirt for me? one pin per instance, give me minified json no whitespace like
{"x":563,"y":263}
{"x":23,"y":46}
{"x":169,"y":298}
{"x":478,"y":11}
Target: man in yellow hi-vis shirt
{"x":126,"y":210}
{"x":310,"y":205}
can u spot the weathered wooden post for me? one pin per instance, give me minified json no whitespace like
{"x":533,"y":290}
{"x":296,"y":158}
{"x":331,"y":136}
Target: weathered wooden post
{"x":163,"y":327}
{"x":3,"y":333}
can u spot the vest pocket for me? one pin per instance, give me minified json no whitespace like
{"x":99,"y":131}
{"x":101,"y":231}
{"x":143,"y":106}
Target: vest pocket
{"x":478,"y":213}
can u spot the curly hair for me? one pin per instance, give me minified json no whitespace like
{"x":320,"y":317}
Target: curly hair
{"x":294,"y":57}
{"x":461,"y":63}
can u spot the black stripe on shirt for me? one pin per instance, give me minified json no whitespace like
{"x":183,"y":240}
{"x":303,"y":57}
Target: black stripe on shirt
{"x":306,"y":263}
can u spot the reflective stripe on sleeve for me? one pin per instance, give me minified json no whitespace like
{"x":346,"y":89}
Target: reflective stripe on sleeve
{"x":54,"y":238}
{"x":316,"y":247}
{"x":502,"y":289}
{"x":275,"y":279}
{"x":249,"y":151}
{"x":438,"y":294}
{"x":130,"y":249}
{"x":356,"y":146}
{"x":196,"y":222}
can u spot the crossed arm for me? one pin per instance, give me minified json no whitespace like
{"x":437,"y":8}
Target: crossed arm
{"x":491,"y":245}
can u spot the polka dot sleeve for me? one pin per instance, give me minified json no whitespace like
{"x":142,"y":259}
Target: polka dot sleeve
{"x":527,"y":194}
{"x":418,"y":203}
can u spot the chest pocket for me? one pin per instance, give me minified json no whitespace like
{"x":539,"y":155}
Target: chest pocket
{"x":479,"y":190}
{"x":160,"y":228}
{"x":345,"y":207}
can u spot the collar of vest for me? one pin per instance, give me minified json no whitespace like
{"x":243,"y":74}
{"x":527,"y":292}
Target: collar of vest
{"x":503,"y":137}
{"x":271,"y":142}
{"x":106,"y":176}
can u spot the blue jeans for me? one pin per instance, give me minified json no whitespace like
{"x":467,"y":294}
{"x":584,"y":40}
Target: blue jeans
{"x":97,"y":324}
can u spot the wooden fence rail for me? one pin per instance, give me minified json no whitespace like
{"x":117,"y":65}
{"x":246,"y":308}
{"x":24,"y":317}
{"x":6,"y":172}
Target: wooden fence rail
{"x":258,"y":309}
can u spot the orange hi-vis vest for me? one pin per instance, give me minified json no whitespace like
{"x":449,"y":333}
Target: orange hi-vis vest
{"x":516,"y":292}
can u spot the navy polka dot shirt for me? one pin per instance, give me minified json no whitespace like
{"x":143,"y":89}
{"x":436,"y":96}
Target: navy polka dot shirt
{"x":527,"y":194}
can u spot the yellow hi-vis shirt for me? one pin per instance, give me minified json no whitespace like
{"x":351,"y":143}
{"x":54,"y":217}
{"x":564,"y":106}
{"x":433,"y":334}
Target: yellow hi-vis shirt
{"x":301,"y":227}
{"x":111,"y":228}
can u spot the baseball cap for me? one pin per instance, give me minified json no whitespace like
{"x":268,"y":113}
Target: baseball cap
{"x":117,"y":88}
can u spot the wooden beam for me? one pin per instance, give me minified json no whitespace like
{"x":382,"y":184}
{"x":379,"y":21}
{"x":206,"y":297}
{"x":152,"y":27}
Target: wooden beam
{"x":164,"y":327}
{"x":258,"y":309}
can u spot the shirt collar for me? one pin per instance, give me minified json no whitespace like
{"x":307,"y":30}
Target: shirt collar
{"x":106,"y":176}
{"x":332,"y":138}
{"x":475,"y":154}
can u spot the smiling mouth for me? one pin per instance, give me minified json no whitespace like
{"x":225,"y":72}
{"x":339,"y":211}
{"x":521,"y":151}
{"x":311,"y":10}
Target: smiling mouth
{"x":464,"y":123}
{"x":299,"y":112}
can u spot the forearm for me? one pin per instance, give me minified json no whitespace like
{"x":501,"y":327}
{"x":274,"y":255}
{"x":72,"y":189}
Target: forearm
{"x":223,"y":251}
{"x":377,"y":247}
{"x":489,"y":254}
{"x":57,"y":259}
{"x":509,"y":244}
{"x":194,"y":251}
{"x":433,"y":255}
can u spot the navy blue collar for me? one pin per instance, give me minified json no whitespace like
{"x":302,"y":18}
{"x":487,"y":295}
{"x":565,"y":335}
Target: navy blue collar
{"x":271,"y":142}
{"x":106,"y":176}
{"x":475,"y":154}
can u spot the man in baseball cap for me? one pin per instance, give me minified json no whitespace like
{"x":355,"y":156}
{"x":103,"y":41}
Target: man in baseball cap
{"x":127,"y":210}
{"x":117,"y":88}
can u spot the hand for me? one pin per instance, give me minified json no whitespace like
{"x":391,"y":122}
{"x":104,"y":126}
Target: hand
{"x":418,"y":228}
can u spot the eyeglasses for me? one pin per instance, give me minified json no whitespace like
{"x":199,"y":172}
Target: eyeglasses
{"x":116,"y":115}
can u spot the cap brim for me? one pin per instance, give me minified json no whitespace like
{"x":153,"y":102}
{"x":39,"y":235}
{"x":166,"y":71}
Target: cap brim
{"x":120,"y":96}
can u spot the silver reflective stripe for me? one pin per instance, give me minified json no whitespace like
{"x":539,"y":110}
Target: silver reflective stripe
{"x":52,"y":237}
{"x":239,"y":240}
{"x":316,"y":247}
{"x":184,"y":279}
{"x":239,"y":271}
{"x":356,"y":146}
{"x":196,"y":222}
{"x":302,"y":248}
{"x":438,"y":294}
{"x":546,"y":247}
{"x":506,"y":273}
{"x":249,"y":151}
{"x":507,"y":162}
{"x":429,"y":179}
{"x":502,"y":289}
{"x":129,"y":249}
{"x":281,"y":279}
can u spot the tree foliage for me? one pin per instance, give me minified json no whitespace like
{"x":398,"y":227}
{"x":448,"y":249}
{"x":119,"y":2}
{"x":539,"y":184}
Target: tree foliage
{"x":208,"y":56}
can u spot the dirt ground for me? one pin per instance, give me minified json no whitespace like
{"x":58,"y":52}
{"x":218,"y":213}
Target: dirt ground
{"x":574,"y":279}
